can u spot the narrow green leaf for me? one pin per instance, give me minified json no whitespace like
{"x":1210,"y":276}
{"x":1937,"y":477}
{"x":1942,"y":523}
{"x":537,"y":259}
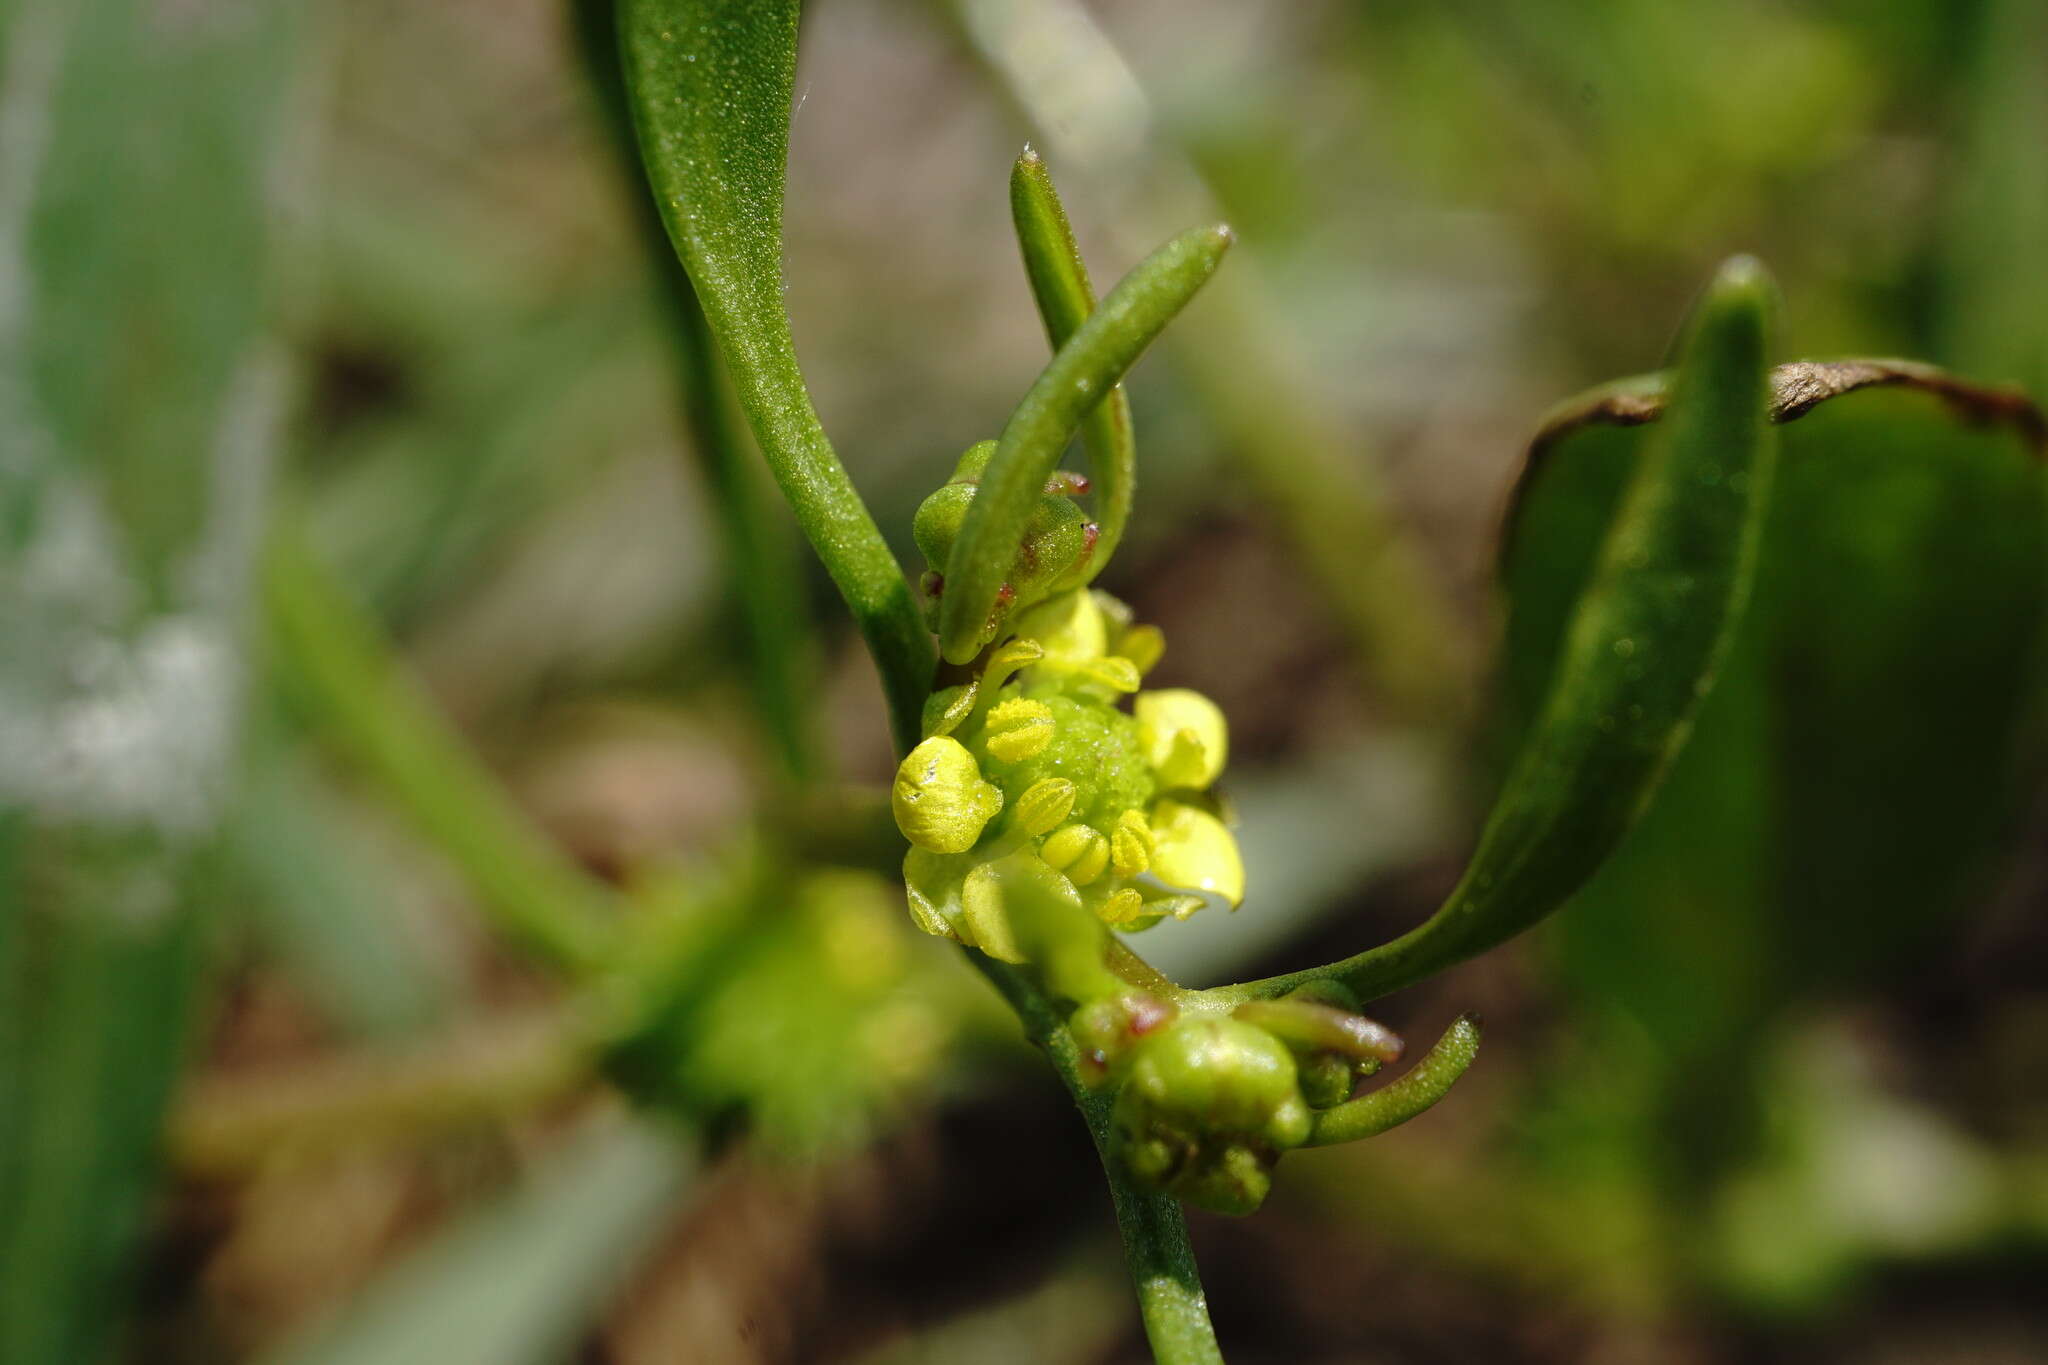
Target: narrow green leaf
{"x":1870,"y":736}
{"x":95,"y":1020}
{"x":518,"y":1281}
{"x":1300,"y":457}
{"x":1643,"y":647}
{"x":1856,"y":773}
{"x":763,"y":574}
{"x":1059,"y":282}
{"x":1093,"y":360}
{"x":710,"y":84}
{"x":337,"y":668}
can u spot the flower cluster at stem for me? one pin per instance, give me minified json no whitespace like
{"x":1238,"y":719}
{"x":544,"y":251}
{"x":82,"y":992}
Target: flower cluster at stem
{"x":1207,"y":1102}
{"x":1035,"y":758}
{"x":1042,"y":813}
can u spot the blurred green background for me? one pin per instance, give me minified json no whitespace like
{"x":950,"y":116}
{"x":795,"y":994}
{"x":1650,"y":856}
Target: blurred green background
{"x":371,"y":598}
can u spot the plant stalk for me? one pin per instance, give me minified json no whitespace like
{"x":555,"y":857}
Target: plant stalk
{"x":1154,"y":1230}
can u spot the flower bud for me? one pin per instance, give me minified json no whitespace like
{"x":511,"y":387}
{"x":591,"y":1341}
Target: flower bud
{"x":940,"y":801}
{"x":945,"y":709}
{"x":1017,"y":728}
{"x":1208,"y":1107}
{"x":1070,"y":627}
{"x":1106,"y":799}
{"x":1130,"y":844}
{"x":1057,"y":544}
{"x":1327,"y":1079}
{"x":1142,"y":645}
{"x":1079,"y":851}
{"x":1109,"y":677}
{"x":1121,"y":908}
{"x":1108,"y":1028}
{"x":1043,"y":805}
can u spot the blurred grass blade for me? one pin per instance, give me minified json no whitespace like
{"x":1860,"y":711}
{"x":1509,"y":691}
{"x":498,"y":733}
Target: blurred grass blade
{"x":1092,"y":361}
{"x":1059,"y":282}
{"x":517,"y":1282}
{"x":336,"y":667}
{"x":140,"y":400}
{"x":312,"y":905}
{"x":500,"y":1069}
{"x":710,"y":84}
{"x":95,"y":1020}
{"x":1642,"y":649}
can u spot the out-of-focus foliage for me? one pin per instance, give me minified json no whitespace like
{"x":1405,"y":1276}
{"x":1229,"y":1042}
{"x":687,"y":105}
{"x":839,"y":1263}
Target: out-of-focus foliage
{"x":1783,"y":1058}
{"x":139,"y":401}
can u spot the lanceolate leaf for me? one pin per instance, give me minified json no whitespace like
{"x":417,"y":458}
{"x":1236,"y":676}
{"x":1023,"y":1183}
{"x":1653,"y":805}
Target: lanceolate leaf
{"x":1870,"y":738}
{"x":1059,"y":282}
{"x":1092,"y":361}
{"x":710,"y":84}
{"x":1854,"y":765}
{"x":764,"y":577}
{"x":1645,"y":639}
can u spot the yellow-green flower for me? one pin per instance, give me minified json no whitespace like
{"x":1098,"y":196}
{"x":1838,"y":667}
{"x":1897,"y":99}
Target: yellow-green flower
{"x":1038,"y":758}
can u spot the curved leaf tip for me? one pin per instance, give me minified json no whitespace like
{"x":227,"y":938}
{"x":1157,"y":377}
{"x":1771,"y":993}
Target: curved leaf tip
{"x":1639,"y":654}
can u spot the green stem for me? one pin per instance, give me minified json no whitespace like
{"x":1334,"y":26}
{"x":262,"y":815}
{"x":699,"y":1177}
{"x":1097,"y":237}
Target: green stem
{"x":334,"y":663}
{"x":764,"y":578}
{"x":1155,"y":1233}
